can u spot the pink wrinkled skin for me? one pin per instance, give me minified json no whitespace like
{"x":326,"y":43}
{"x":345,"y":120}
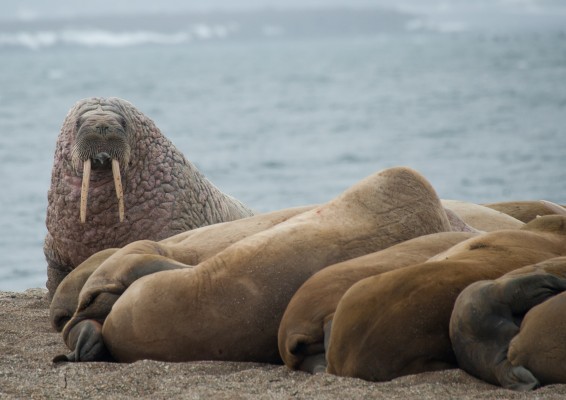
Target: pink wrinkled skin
{"x":164,"y":194}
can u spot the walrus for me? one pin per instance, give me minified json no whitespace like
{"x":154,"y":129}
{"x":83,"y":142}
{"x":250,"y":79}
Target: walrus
{"x":482,"y":218}
{"x":397,"y":323}
{"x":229,"y":306}
{"x":457,"y":224}
{"x":117,"y":179}
{"x":191,"y":247}
{"x":488,"y":314}
{"x":525,"y":211}
{"x":301,"y":331}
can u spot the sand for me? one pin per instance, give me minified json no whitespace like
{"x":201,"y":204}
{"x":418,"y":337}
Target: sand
{"x":28,"y":343}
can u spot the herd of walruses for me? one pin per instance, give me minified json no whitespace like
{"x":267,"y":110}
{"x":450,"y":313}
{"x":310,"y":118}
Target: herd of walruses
{"x":382,"y":281}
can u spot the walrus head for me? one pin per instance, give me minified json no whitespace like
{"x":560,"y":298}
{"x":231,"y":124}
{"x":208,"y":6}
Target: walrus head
{"x":101,"y":145}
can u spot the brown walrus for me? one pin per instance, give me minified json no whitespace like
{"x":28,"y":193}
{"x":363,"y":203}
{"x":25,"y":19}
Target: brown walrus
{"x":191,"y":247}
{"x":301,"y":332}
{"x":117,"y":179}
{"x":397,"y":323}
{"x":229,"y":306}
{"x":480,"y":217}
{"x":525,"y":211}
{"x":487,"y":315}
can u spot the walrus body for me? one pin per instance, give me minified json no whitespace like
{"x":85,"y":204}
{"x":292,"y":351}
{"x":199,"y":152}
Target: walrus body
{"x":301,"y":332}
{"x":191,"y":247}
{"x":397,"y":323}
{"x":487,"y":315}
{"x":140,"y":186}
{"x":524,"y":211}
{"x":229,"y":306}
{"x":482,"y":218}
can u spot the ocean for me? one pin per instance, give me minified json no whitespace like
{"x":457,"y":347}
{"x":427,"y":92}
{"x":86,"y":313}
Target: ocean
{"x":282,"y":120}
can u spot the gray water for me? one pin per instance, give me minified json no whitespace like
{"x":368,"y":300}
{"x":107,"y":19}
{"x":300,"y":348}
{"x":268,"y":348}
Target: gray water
{"x":285,"y":122}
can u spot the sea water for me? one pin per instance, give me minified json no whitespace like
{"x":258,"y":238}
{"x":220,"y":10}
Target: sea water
{"x":287,"y":122}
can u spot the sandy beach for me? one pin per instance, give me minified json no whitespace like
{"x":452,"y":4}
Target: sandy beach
{"x":28,"y":343}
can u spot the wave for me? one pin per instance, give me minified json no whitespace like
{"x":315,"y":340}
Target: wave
{"x":173,"y":29}
{"x":107,"y":38}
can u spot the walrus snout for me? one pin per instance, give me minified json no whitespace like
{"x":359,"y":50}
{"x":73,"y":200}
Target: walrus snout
{"x":101,"y":133}
{"x":101,"y":138}
{"x":101,"y":144}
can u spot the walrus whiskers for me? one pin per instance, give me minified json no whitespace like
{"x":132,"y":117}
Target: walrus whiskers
{"x":118,"y":185}
{"x":84,"y":189}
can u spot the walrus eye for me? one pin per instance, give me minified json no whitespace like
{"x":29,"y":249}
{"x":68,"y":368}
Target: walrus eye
{"x":123,"y":123}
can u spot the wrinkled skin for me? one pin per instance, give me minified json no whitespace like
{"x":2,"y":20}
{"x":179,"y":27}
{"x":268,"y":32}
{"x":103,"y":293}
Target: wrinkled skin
{"x":162,"y":193}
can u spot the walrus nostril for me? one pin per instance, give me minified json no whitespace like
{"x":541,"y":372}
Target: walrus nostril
{"x":101,"y":158}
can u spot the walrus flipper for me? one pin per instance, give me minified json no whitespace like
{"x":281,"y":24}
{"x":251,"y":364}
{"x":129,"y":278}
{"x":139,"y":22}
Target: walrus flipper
{"x":87,"y":344}
{"x":527,"y":291}
{"x":315,"y":362}
{"x":516,"y":378}
{"x":311,"y":350}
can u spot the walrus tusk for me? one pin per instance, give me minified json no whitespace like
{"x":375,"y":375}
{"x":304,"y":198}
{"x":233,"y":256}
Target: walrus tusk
{"x":84,"y":189}
{"x":118,"y":185}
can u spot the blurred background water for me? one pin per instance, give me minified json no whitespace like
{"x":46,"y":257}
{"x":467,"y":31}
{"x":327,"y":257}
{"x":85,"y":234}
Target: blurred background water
{"x":289,"y":106}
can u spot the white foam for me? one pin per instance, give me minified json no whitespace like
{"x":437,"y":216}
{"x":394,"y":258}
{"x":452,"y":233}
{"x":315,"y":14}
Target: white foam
{"x":120,"y":39}
{"x":32,"y":41}
{"x":106,"y":38}
{"x":205,"y":31}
